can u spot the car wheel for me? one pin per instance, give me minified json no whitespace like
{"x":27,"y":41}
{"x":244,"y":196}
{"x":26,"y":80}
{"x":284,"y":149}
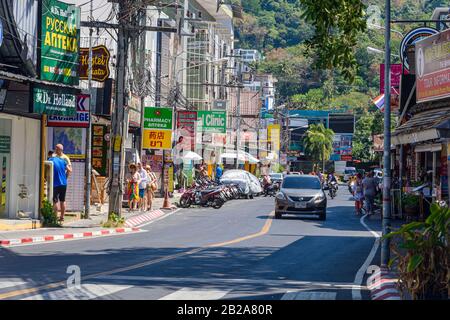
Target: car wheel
{"x":323,"y":215}
{"x":277,"y":215}
{"x":251,"y":196}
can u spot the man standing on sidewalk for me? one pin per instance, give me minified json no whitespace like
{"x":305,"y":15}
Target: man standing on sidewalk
{"x":60,"y":174}
{"x":59,"y":153}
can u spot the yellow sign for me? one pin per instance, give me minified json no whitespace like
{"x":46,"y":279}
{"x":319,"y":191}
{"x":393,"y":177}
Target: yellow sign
{"x":273,"y":135}
{"x":117,"y":143}
{"x":157,"y":139}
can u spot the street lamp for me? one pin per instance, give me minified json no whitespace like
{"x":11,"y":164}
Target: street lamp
{"x":378,"y":51}
{"x":378,"y":27}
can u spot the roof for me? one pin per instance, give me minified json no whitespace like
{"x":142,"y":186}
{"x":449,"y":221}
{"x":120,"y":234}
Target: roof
{"x":423,"y":126}
{"x":19,"y":77}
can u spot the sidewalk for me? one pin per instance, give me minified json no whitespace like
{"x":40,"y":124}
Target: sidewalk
{"x":87,"y":228}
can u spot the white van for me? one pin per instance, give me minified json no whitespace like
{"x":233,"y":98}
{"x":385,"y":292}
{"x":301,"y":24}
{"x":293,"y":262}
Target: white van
{"x":348,"y":173}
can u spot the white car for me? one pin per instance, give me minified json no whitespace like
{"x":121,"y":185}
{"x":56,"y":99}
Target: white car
{"x":348,"y":173}
{"x":248,"y":183}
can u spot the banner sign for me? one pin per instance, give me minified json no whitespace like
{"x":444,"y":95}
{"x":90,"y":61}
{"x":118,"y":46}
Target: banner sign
{"x":411,"y":38}
{"x":213,"y":121}
{"x":157,"y":139}
{"x":396,"y":74}
{"x":273,"y":135}
{"x":433,"y":67}
{"x":100,"y":63}
{"x":60,"y":38}
{"x":186,"y":122}
{"x":54,"y":102}
{"x":100,"y":148}
{"x":158,"y":118}
{"x":81,"y":120}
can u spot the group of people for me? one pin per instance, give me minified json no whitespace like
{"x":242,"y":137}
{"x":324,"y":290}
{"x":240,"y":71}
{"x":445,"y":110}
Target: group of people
{"x":141,"y":186}
{"x":365,"y":189}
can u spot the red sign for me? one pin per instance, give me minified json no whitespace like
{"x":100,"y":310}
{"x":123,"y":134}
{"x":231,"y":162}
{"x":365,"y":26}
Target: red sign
{"x":433,"y":67}
{"x":186,"y":123}
{"x":81,"y":120}
{"x":346,"y":158}
{"x":396,"y":74}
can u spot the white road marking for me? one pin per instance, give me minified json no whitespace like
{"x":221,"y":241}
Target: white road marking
{"x":87,"y":292}
{"x":158,"y":219}
{"x":356,"y":291}
{"x":195,"y":294}
{"x":309,"y":295}
{"x":8,"y":283}
{"x":282,"y":284}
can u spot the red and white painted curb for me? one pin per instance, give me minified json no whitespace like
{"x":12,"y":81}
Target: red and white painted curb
{"x":383,"y":285}
{"x":68,"y":236}
{"x":144,"y":218}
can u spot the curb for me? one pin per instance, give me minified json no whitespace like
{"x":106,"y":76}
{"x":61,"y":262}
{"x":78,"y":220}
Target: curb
{"x":143,"y":218}
{"x":383,"y":285}
{"x":68,"y":236}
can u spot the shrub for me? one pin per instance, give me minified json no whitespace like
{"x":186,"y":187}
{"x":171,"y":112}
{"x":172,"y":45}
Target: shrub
{"x":114,"y":221}
{"x":49,"y":216}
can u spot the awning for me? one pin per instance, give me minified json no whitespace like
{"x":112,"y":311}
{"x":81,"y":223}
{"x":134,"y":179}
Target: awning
{"x":424,"y":126}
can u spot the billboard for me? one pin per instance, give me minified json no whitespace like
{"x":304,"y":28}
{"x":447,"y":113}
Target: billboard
{"x":100,"y":63}
{"x":81,"y":120}
{"x":433,"y":67}
{"x":60,"y":37}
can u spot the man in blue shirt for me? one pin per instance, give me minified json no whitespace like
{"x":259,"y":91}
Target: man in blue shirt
{"x":60,"y":172}
{"x":219,"y":172}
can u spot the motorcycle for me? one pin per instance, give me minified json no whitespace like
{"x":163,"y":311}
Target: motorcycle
{"x":332,"y":189}
{"x":271,"y":189}
{"x":203,"y":195}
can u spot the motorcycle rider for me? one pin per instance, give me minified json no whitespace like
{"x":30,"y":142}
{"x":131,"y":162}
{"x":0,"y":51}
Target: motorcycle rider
{"x":332,"y":181}
{"x":266,"y":183}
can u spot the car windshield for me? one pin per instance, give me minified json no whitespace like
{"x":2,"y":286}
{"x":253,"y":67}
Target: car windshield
{"x":301,"y":182}
{"x":276,"y":176}
{"x":347,"y":171}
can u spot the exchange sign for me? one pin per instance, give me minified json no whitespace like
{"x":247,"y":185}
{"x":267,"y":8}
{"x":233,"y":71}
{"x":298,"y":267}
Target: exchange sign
{"x":60,"y":39}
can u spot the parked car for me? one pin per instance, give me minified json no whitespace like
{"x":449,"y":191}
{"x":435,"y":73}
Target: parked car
{"x":276,"y":177}
{"x":301,"y":194}
{"x":348,"y":173}
{"x":248,"y":183}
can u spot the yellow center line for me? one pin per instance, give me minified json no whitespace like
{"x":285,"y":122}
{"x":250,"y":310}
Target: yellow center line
{"x":265,"y":229}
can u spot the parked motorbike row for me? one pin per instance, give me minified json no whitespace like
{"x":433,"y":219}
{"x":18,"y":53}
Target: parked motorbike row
{"x":207,"y":193}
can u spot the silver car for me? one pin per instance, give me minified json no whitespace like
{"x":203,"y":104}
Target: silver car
{"x":248,"y":183}
{"x":301,"y":194}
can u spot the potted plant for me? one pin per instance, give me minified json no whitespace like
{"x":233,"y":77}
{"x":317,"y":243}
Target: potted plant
{"x":410,"y":204}
{"x":422,"y":255}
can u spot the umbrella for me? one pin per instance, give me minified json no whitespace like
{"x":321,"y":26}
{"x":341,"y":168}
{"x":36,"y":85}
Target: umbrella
{"x":192,"y":156}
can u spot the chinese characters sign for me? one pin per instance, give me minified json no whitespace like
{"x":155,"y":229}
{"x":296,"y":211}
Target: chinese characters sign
{"x":157,"y":139}
{"x":54,"y":102}
{"x":60,"y":39}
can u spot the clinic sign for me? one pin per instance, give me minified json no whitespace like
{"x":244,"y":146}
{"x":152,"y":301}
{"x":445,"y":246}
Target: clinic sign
{"x":213,"y":121}
{"x":54,"y":102}
{"x":433,"y":67}
{"x":60,"y":37}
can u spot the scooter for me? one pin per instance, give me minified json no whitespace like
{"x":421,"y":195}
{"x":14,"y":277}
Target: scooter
{"x":332,"y":189}
{"x":271,"y":189}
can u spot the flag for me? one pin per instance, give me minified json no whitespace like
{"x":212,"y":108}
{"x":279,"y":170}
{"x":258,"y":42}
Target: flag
{"x":379,"y":102}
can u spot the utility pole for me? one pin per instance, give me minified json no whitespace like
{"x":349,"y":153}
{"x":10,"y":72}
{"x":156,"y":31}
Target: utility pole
{"x":238,"y":113}
{"x":142,"y":57}
{"x":385,"y":254}
{"x":88,"y":164}
{"x":118,"y":119}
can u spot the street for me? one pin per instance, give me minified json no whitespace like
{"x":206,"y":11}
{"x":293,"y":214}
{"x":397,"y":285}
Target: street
{"x":236,"y":252}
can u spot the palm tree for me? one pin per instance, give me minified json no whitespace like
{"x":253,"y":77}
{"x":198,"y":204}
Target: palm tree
{"x":319,"y":143}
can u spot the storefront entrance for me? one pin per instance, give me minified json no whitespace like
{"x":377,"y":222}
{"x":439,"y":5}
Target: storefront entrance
{"x":5,"y":163}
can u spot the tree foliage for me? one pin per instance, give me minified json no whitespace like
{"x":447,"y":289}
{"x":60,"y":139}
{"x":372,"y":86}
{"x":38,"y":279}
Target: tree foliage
{"x":319,"y":142}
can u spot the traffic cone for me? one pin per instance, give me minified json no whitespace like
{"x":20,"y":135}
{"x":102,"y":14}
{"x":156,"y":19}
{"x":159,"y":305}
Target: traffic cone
{"x":166,"y":203}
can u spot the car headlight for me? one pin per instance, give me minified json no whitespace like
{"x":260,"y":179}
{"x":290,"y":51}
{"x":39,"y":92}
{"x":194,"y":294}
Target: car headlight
{"x":319,"y":197}
{"x":280,"y":196}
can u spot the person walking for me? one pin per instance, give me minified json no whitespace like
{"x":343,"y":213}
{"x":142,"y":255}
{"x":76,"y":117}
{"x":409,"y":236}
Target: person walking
{"x":59,"y":152}
{"x":219,"y":173}
{"x":152,"y":186}
{"x":142,"y":186}
{"x":357,"y":190}
{"x":133,"y":187}
{"x":369,"y":185}
{"x":60,"y":175}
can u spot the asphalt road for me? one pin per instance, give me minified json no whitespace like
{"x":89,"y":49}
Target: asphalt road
{"x":236,"y":252}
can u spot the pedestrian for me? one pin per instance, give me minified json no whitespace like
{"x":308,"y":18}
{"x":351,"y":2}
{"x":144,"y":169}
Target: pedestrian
{"x":59,"y":148}
{"x":219,"y":173}
{"x":60,"y":174}
{"x":133,"y":187}
{"x":358,"y":195}
{"x":370,"y":191}
{"x":152,"y":186}
{"x":142,"y":186}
